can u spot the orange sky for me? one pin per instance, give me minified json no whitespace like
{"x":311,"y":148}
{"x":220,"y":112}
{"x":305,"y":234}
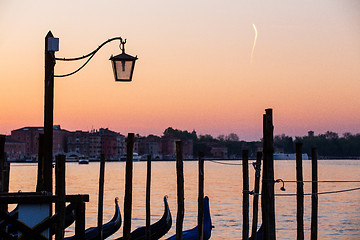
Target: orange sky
{"x":194,"y":69}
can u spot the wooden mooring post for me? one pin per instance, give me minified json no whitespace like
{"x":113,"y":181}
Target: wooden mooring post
{"x":101,"y":197}
{"x":201,"y":197}
{"x":80,"y":220}
{"x":256,"y":196}
{"x":148,"y":191}
{"x":128,"y":186}
{"x":245,"y":166}
{"x":314,"y":196}
{"x":41,"y":167}
{"x":299,"y":192}
{"x":60,"y":194}
{"x":267,"y":193}
{"x":4,"y":173}
{"x":180,"y":191}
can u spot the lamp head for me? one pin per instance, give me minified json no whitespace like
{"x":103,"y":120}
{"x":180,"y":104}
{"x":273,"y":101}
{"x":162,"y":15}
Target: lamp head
{"x":123,"y":67}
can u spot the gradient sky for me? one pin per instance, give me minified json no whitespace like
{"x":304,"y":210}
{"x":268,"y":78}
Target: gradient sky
{"x":194,"y":69}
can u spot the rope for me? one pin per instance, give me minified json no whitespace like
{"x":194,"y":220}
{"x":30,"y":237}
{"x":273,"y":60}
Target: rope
{"x":308,"y":194}
{"x":319,"y":193}
{"x":326,"y":181}
{"x":215,"y":161}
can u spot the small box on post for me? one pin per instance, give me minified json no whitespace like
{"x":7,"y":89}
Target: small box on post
{"x":33,"y":214}
{"x":53,"y":44}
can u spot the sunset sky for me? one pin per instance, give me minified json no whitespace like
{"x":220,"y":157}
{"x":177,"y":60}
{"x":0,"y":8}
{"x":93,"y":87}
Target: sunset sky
{"x":195,"y":69}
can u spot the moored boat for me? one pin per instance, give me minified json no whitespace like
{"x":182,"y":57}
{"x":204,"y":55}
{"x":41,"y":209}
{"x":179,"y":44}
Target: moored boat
{"x":259,"y":234}
{"x":192,"y":234}
{"x":109,"y":228}
{"x":157,"y":230}
{"x":289,"y":156}
{"x":136,"y":157}
{"x":83,"y":161}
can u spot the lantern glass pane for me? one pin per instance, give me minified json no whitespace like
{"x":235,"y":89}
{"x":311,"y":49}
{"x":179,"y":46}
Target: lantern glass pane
{"x":123,"y":69}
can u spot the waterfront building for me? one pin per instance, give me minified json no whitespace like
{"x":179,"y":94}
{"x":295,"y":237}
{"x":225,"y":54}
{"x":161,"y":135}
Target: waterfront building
{"x":220,"y":152}
{"x":78,"y":142}
{"x":148,"y":146}
{"x":30,"y":136}
{"x":112,"y":144}
{"x":15,"y":150}
{"x":168,"y":147}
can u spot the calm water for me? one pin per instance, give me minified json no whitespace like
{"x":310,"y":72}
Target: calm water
{"x":339,"y":214}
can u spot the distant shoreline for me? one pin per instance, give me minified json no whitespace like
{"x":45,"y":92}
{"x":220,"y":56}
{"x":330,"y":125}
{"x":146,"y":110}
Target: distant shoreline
{"x":207,"y":159}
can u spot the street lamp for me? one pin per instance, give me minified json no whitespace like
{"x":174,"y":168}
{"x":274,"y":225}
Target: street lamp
{"x":123,"y":67}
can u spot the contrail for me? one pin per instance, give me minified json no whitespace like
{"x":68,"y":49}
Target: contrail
{"x":253,"y":48}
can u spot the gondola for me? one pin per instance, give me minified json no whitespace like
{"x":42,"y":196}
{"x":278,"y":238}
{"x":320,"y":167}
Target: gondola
{"x":158,"y":229}
{"x":192,"y":234}
{"x":109,"y":228}
{"x":259,"y":234}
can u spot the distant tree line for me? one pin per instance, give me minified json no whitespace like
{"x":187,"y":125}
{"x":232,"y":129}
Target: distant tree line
{"x":331,"y":145}
{"x":203,"y":143}
{"x":328,"y":144}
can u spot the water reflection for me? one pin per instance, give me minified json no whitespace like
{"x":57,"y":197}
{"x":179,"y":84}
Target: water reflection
{"x":339,"y":214}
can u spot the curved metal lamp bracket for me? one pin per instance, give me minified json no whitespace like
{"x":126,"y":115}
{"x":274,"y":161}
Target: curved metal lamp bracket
{"x":90,"y":55}
{"x":283,"y":184}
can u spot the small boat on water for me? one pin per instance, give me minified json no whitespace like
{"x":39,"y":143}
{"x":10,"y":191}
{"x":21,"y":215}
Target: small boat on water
{"x":136,"y":157}
{"x":157,"y":230}
{"x":192,"y":234}
{"x":289,"y":156}
{"x":83,"y":161}
{"x":109,"y":228}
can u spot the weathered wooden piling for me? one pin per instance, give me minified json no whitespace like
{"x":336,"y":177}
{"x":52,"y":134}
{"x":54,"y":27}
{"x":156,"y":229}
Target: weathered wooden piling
{"x":40,"y":176}
{"x":267,"y":195}
{"x":101,"y":197}
{"x":314,"y":196}
{"x":201,"y":197}
{"x":148,"y":191}
{"x":245,"y":165}
{"x":48,"y":114}
{"x":180,"y":191}
{"x":60,"y":194}
{"x":80,"y":220}
{"x":4,"y":173}
{"x":128,"y":186}
{"x":4,"y":169}
{"x":4,"y":183}
{"x":256,"y":196}
{"x":299,"y":192}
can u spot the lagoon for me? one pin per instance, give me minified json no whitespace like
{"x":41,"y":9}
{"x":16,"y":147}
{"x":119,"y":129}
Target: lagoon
{"x":339,"y":213}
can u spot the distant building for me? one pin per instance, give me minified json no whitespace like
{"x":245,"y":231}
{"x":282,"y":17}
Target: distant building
{"x":168,"y":147}
{"x":78,"y":142}
{"x":94,"y":145}
{"x":14,"y":150}
{"x":219,"y":152}
{"x":59,"y":140}
{"x":30,"y":136}
{"x":310,"y":133}
{"x":148,"y":146}
{"x":112,"y":144}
